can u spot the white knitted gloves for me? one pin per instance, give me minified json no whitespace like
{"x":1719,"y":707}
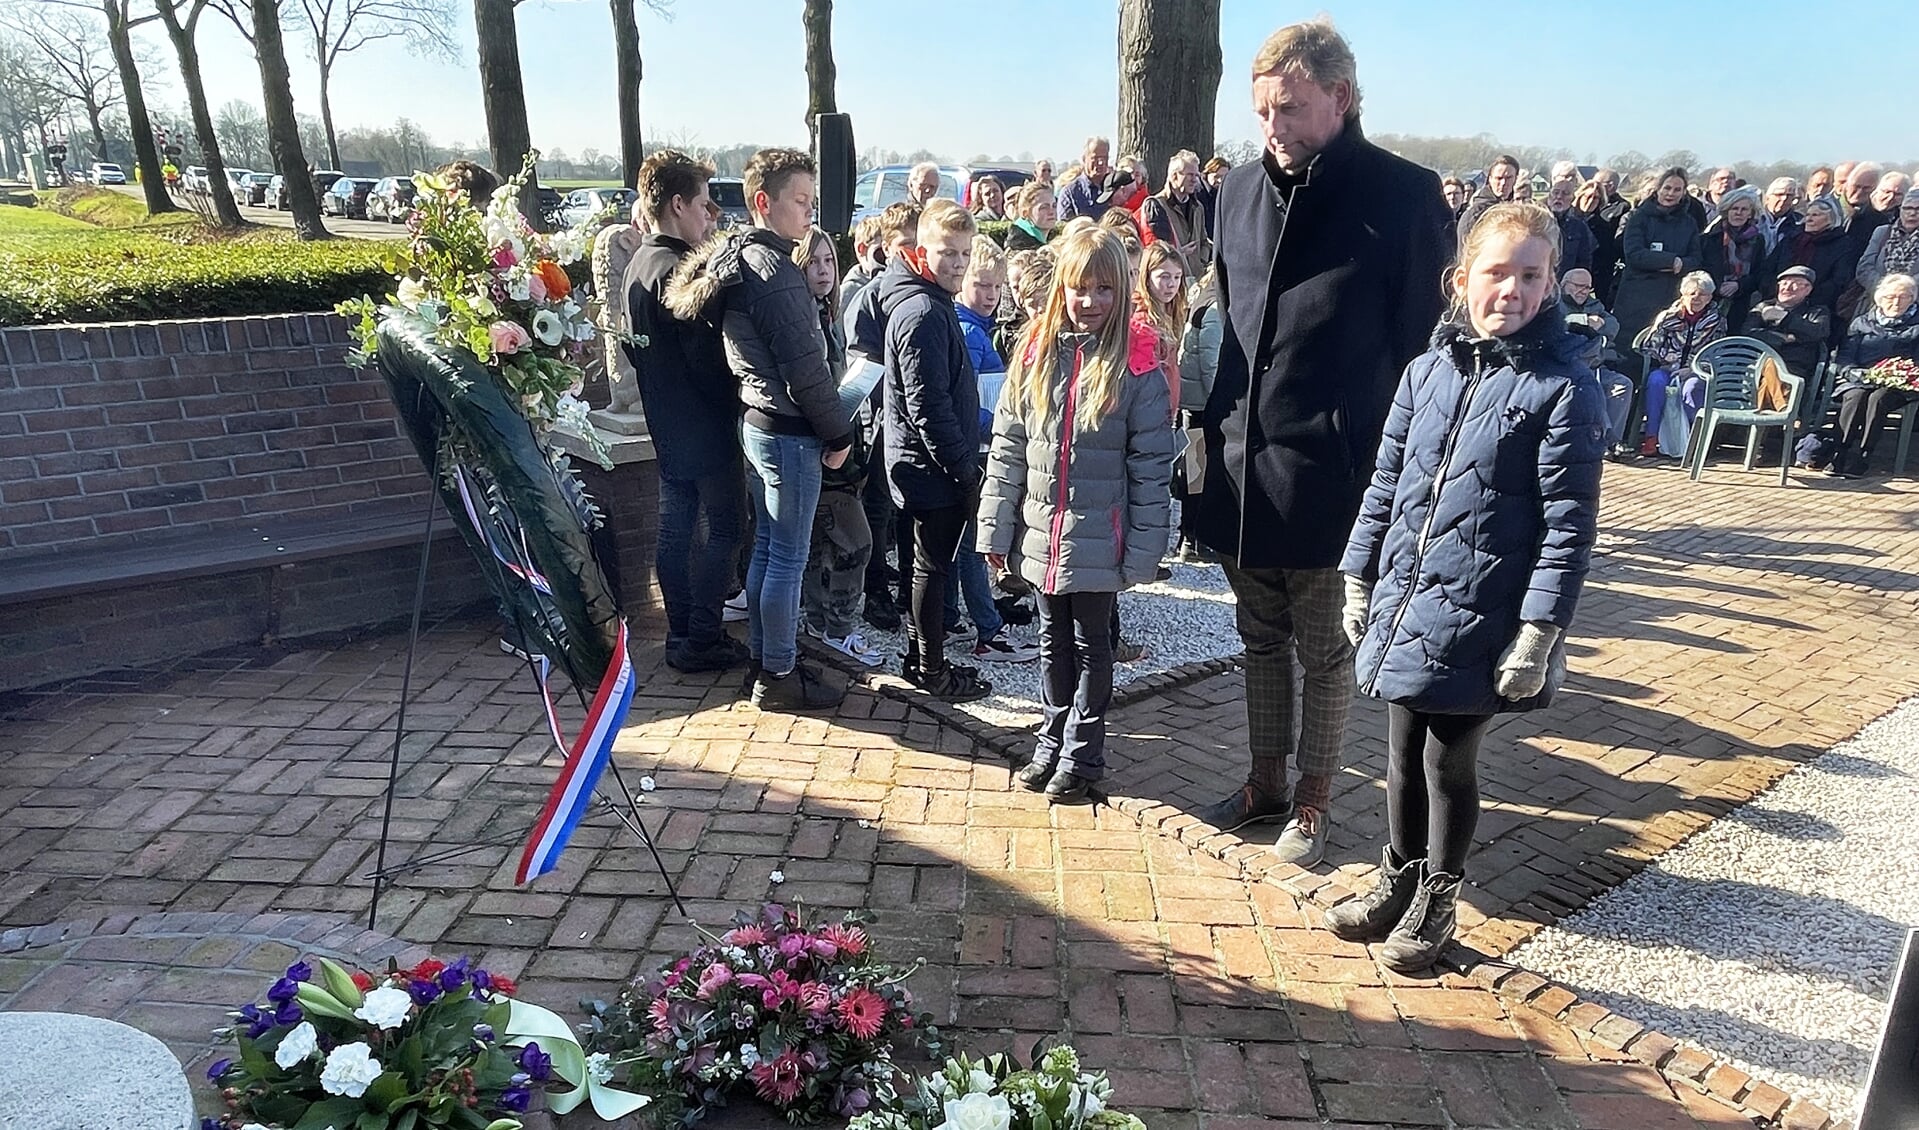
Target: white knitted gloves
{"x":1359,"y":597}
{"x":1522,"y":666}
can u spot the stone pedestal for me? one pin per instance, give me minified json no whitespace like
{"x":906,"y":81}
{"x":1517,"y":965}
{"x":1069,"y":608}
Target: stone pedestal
{"x":629,"y":497}
{"x":83,"y":1073}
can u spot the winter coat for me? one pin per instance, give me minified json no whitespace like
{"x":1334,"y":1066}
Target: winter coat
{"x":931,"y":417}
{"x":1600,"y":343}
{"x":1674,"y":343}
{"x":1170,"y":221}
{"x":690,"y":394}
{"x":855,"y":281}
{"x":1576,"y":242}
{"x":1800,"y":337}
{"x":1482,"y":201}
{"x":1891,"y":250}
{"x":746,"y":283}
{"x":1872,"y":339}
{"x":850,"y":475}
{"x":1082,"y":197}
{"x":1652,"y":238}
{"x":1828,"y":253}
{"x":1076,"y":510}
{"x":987,"y":366}
{"x":1481,"y":515}
{"x":1024,"y":236}
{"x":1199,"y":356}
{"x":1729,"y":259}
{"x":1328,"y":283}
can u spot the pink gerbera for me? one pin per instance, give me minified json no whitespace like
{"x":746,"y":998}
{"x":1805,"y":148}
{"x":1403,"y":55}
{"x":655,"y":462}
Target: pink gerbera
{"x":754,"y":935}
{"x":816,"y":999}
{"x":657,"y":1013}
{"x":849,"y":940}
{"x":863,"y":1013}
{"x":778,"y":1080}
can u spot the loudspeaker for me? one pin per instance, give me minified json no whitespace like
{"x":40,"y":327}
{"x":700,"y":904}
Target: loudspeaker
{"x":838,"y":161}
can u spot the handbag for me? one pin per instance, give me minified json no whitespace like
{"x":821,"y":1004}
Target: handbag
{"x":1674,"y":430}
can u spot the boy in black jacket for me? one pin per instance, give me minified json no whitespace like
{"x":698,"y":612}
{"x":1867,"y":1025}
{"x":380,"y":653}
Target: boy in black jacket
{"x":931,"y":429}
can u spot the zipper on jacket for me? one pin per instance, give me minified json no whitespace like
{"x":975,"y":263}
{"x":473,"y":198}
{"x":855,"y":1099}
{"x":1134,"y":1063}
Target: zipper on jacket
{"x":1059,"y":480}
{"x":1432,"y":511}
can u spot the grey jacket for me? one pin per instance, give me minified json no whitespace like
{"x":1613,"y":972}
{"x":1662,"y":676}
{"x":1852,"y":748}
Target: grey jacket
{"x":1117,"y":477}
{"x":745,"y":283}
{"x":1199,"y":357}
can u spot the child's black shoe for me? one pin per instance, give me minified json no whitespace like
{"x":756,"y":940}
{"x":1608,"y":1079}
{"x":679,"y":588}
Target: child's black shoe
{"x":1068,"y":787}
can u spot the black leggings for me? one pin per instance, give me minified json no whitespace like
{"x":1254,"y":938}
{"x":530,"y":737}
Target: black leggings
{"x":1432,"y":785}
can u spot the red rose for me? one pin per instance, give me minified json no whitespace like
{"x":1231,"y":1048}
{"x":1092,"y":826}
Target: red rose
{"x":505,"y":986}
{"x":426,"y":970}
{"x":362,"y":982}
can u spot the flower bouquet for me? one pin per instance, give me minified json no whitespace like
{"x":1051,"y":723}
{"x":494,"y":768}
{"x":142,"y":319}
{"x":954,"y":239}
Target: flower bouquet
{"x":487,"y":284}
{"x":995,"y":1093}
{"x":805,"y":1015}
{"x":437,"y":1045}
{"x":1894,"y":372}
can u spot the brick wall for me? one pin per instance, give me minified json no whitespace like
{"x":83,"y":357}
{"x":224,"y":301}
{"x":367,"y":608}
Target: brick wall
{"x":137,"y":429}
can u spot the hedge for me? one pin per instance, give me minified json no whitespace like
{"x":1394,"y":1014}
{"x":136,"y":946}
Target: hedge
{"x":86,"y":274}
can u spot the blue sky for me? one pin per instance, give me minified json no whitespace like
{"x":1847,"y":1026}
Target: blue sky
{"x":1009,"y":76}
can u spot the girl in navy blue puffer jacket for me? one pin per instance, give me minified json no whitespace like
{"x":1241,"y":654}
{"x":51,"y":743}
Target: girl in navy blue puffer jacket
{"x":1467,"y":560}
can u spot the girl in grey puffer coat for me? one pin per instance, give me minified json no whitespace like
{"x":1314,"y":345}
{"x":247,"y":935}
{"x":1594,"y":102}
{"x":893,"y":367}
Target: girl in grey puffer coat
{"x":1077,"y":494}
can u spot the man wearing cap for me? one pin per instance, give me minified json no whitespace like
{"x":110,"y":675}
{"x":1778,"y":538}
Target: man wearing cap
{"x":1792,"y":325}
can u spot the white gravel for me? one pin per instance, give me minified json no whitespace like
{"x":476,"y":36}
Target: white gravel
{"x":1770,"y":937}
{"x":1183,"y":620}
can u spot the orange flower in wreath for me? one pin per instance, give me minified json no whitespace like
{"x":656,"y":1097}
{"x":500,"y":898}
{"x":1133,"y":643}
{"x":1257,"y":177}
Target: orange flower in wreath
{"x":558,"y":286}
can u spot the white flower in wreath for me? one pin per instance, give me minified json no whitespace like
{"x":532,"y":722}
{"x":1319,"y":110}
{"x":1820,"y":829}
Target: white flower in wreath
{"x":978,"y":1112}
{"x":749,"y":1056}
{"x":296,"y":1045}
{"x":385,"y":1008}
{"x":548,"y":328}
{"x":979,"y":1081}
{"x":410,"y":293}
{"x":350,"y":1070}
{"x":599,"y":1068}
{"x":517,"y":288}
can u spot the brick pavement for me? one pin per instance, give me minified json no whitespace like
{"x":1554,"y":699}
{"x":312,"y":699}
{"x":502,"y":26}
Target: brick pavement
{"x":242,"y":785}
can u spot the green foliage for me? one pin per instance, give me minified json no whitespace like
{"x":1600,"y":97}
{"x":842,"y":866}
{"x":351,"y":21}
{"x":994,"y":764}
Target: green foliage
{"x":55,"y":269}
{"x":106,"y":208}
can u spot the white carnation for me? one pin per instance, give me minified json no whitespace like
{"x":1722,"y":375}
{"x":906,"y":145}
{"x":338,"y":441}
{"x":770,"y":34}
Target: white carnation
{"x":296,"y":1045}
{"x":385,"y":1008}
{"x":350,"y":1070}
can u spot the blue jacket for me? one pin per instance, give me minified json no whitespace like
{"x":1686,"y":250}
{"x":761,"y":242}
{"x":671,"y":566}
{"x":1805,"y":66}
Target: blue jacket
{"x":1481,"y":514}
{"x":978,"y":331}
{"x":931,"y":420}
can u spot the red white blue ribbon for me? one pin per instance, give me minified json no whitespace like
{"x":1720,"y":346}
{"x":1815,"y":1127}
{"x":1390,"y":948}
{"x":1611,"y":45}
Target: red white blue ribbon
{"x":525,"y":572}
{"x":573,"y":794}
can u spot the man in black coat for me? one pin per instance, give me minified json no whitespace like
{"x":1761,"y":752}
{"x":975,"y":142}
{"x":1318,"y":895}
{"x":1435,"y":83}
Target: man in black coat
{"x":1329,"y":263}
{"x":692,"y":400}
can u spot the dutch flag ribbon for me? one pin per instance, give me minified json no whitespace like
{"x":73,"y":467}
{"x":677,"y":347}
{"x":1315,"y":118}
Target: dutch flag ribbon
{"x":573,"y":793}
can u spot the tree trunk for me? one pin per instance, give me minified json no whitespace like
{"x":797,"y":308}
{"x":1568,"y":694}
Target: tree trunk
{"x":153,"y":182}
{"x":1169,"y":67}
{"x":821,"y":74}
{"x":225,"y":211}
{"x":283,"y":129}
{"x":99,"y":133}
{"x":503,"y":94}
{"x":326,"y":109}
{"x":626,"y":62}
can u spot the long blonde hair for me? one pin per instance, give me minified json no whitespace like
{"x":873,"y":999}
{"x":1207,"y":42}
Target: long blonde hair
{"x":1088,"y":256}
{"x":1168,"y":318}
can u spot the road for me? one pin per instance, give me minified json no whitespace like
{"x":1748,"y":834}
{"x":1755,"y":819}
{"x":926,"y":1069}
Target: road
{"x":353,"y":229}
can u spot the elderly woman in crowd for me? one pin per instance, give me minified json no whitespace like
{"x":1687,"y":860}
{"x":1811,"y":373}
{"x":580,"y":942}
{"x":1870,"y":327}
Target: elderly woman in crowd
{"x":1672,"y":345}
{"x":1890,"y":329}
{"x":1659,"y":244}
{"x":1733,"y":250}
{"x":1894,"y":247}
{"x":1820,"y":243}
{"x":1777,"y":216}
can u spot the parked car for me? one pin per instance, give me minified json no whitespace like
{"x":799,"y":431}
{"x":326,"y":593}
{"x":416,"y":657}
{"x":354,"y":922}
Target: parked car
{"x":323,"y":181}
{"x":347,"y":198}
{"x":730,"y":194}
{"x":256,"y":188}
{"x":876,"y":188}
{"x":391,"y":199}
{"x":277,"y":194}
{"x":582,"y":204}
{"x":237,"y":183}
{"x":193,"y":179}
{"x":106,"y":172}
{"x":550,"y":205}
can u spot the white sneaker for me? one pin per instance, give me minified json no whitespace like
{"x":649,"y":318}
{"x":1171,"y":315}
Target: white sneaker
{"x":854,"y":646}
{"x":964,"y":633}
{"x":1001,"y":649}
{"x":735,"y":612}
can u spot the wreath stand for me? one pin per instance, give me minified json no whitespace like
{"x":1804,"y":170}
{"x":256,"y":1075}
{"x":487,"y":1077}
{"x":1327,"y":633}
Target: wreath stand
{"x":624,"y":810}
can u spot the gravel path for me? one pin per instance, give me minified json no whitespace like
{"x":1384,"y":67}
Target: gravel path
{"x":1770,"y":937}
{"x":1182,"y":620}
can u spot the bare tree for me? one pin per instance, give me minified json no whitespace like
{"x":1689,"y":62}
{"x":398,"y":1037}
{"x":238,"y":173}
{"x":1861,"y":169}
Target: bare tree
{"x":243,"y":134}
{"x":260,"y":24}
{"x":821,"y":74}
{"x":503,"y":95}
{"x":74,"y":66}
{"x":1169,"y":68}
{"x":181,"y":32}
{"x":339,"y":27}
{"x":120,"y":24}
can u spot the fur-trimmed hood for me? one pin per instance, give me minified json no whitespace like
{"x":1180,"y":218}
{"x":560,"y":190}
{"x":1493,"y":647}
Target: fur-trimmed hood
{"x":713,"y":266}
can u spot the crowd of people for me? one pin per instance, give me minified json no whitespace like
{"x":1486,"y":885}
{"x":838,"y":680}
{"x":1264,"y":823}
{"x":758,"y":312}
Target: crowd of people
{"x":1407,"y":399}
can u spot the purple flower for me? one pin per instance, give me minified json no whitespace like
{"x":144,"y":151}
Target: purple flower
{"x":483,"y":1033}
{"x":257,"y":1022}
{"x":517,"y":1096}
{"x":535,"y":1062}
{"x":454,"y":976}
{"x":288,"y":1014}
{"x":482,"y":981}
{"x":209,"y":1124}
{"x":423,"y":992}
{"x":217,"y":1068}
{"x":853,"y":1100}
{"x":283,"y":990}
{"x":299,"y":971}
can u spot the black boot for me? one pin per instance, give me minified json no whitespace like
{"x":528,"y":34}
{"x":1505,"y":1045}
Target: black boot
{"x":1068,"y":787}
{"x":1371,"y":918}
{"x":1427,"y":926}
{"x":1033,"y":775}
